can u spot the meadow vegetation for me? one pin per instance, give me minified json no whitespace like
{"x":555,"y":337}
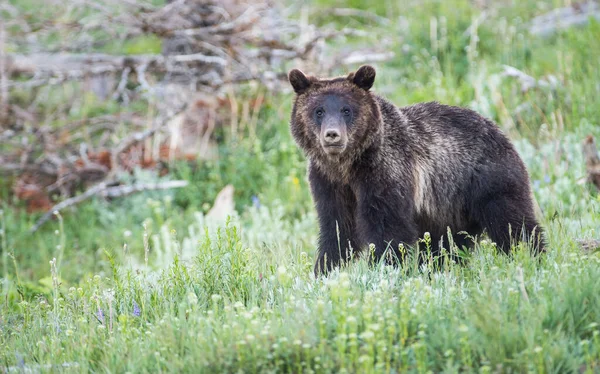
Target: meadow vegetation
{"x":148,"y":284}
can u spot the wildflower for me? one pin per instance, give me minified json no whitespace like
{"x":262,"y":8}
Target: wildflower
{"x":345,"y":279}
{"x":283,"y":276}
{"x":374,"y":327}
{"x":255,"y":201}
{"x":192,"y":298}
{"x":21,"y":361}
{"x":100,"y":315}
{"x":238,"y":305}
{"x":136,"y":309}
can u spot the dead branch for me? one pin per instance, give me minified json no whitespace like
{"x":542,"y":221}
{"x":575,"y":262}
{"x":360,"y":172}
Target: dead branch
{"x":527,"y":81}
{"x":209,"y":47}
{"x":77,"y":66}
{"x":69,"y":202}
{"x":103,"y":189}
{"x":362,"y":58}
{"x":120,"y":191}
{"x":588,"y":245}
{"x":134,"y":138}
{"x":577,"y":14}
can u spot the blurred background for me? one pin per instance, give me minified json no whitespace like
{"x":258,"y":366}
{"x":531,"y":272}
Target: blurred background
{"x":140,"y":122}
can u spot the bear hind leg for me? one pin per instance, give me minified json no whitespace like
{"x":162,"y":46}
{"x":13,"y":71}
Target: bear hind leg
{"x":509,"y":220}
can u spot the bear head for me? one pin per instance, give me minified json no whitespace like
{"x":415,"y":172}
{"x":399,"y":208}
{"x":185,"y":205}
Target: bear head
{"x":334,"y":118}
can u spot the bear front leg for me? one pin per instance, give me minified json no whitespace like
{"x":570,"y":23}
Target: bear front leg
{"x":335,"y":205}
{"x":385,"y":218}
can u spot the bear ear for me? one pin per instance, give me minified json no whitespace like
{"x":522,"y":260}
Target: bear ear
{"x":299,"y":81}
{"x":364,"y":77}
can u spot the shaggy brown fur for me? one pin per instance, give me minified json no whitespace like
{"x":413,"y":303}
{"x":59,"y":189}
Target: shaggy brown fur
{"x":385,"y":175}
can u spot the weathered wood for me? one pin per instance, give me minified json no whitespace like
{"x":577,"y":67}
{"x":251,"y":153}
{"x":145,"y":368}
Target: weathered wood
{"x":208,"y":46}
{"x":103,"y":189}
{"x":74,"y":66}
{"x":592,"y":160}
{"x":578,"y":14}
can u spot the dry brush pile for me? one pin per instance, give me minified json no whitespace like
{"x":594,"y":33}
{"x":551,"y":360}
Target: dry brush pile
{"x":56,"y":153}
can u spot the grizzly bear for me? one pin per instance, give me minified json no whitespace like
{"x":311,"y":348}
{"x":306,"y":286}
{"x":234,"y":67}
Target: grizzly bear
{"x":384,"y":175}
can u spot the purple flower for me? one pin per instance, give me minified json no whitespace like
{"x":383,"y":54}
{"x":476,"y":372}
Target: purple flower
{"x":547,"y":178}
{"x":536,"y":184}
{"x":255,"y":201}
{"x":100,"y":315}
{"x":20,"y":360}
{"x":136,"y":309}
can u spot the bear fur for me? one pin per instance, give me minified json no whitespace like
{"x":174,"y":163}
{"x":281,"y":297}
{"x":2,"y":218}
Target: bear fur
{"x":385,"y":175}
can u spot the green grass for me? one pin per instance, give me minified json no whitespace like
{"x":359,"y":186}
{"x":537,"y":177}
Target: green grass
{"x":240,"y":296}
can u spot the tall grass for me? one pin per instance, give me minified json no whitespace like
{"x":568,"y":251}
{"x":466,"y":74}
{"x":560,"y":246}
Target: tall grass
{"x":239,"y":295}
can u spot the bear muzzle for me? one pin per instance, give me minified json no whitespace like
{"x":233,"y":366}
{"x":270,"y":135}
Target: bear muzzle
{"x":334,"y":138}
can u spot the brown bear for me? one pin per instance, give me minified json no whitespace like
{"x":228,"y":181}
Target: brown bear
{"x":384,"y":175}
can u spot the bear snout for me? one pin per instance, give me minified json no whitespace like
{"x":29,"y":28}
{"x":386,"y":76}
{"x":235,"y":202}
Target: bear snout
{"x":333,"y":140}
{"x":333,"y":136}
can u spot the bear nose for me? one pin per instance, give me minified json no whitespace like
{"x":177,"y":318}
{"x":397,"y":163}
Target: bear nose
{"x":332,"y":136}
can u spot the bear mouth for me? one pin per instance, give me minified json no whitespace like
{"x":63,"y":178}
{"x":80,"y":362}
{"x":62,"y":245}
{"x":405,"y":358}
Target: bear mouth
{"x":334,"y":150}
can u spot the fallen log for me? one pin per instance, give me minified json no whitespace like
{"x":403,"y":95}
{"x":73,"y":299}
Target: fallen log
{"x":59,"y":67}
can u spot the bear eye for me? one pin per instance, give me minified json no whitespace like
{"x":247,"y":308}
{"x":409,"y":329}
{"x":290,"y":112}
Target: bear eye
{"x":320,"y":112}
{"x":346,"y":111}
